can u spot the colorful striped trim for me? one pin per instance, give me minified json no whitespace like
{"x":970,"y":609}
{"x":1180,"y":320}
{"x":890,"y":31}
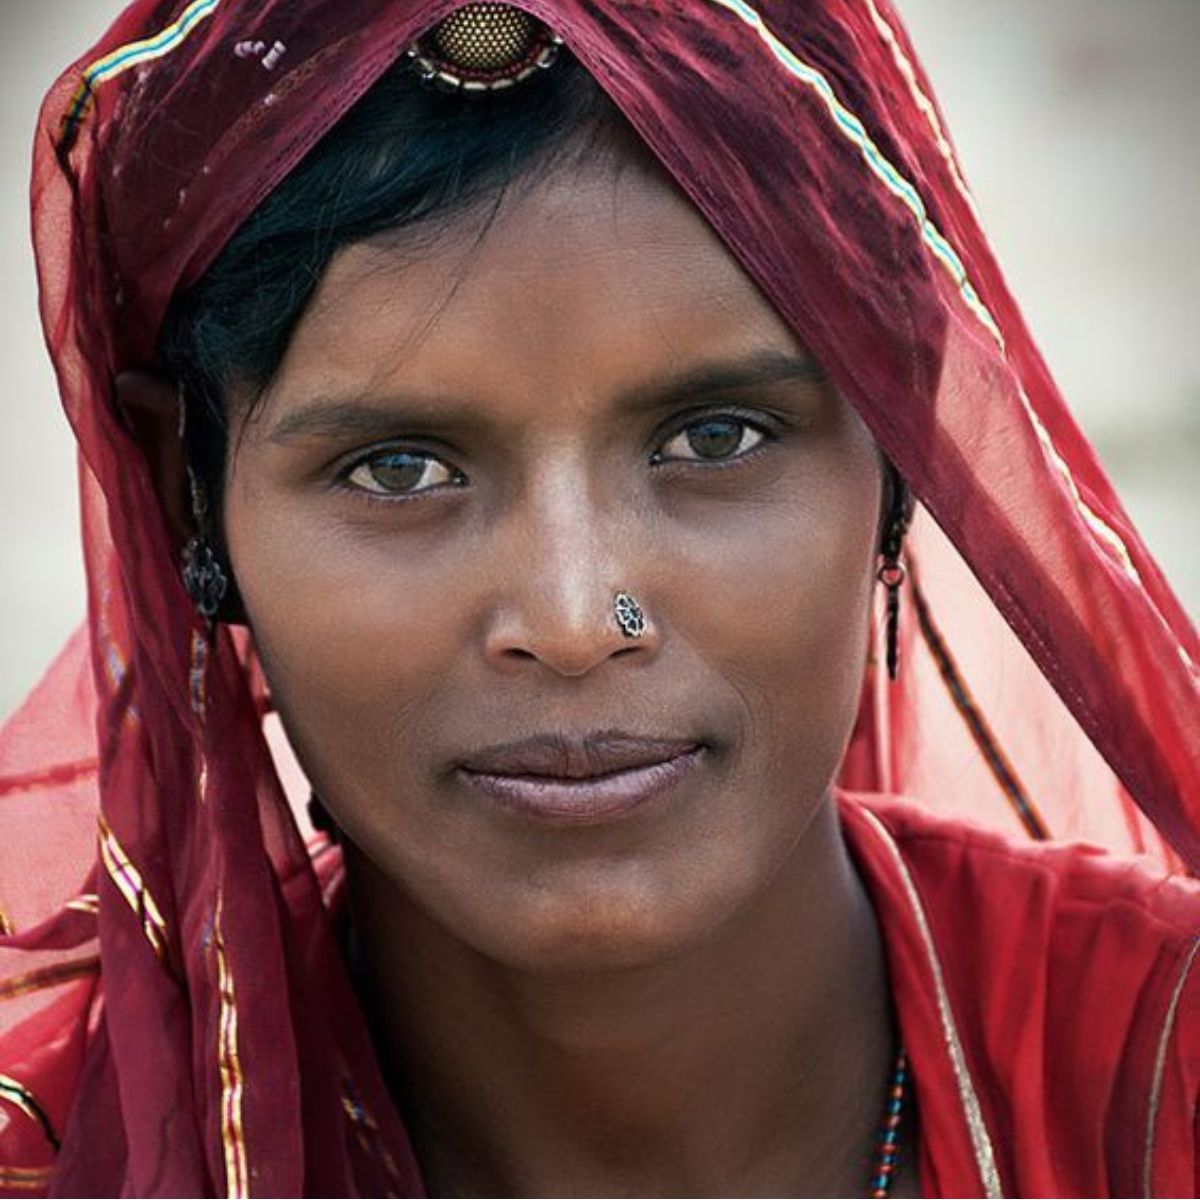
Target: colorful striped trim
{"x":48,"y":977}
{"x":856,"y":131}
{"x":130,"y":884}
{"x":18,"y":1095}
{"x":925,"y":106}
{"x":130,"y":55}
{"x":233,"y":1083}
{"x":975,"y":721}
{"x":851,"y":127}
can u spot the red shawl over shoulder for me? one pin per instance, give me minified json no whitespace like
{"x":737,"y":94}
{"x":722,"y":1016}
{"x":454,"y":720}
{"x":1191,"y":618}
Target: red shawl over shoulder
{"x":1050,"y":674}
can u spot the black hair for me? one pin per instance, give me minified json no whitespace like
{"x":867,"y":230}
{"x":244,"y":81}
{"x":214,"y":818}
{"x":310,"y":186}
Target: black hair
{"x":405,"y":159}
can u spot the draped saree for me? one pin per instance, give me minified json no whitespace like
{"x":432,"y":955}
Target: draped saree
{"x":174,"y":1015}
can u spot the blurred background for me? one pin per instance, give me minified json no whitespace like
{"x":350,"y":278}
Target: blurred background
{"x":1078,"y":123}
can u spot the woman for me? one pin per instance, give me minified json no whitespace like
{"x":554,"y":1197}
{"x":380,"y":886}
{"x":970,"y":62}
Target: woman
{"x":533,"y":447}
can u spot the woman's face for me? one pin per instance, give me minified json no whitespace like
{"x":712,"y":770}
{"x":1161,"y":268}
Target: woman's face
{"x":471,"y":446}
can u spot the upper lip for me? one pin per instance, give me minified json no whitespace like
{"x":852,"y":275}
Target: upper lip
{"x":576,"y":756}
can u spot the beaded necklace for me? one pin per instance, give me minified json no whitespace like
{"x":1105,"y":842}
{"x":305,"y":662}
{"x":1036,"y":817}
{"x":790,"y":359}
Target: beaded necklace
{"x":889,"y":1131}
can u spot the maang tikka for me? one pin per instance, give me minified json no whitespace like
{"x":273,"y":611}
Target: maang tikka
{"x":484,"y":48}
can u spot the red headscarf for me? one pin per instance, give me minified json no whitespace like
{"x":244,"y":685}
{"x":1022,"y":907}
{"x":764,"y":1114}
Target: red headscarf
{"x":1049,"y":676}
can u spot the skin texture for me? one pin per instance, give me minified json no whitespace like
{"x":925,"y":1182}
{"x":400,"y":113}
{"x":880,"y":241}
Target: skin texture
{"x":689,"y":999}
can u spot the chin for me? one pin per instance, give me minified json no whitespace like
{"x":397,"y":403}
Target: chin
{"x":590,"y":926}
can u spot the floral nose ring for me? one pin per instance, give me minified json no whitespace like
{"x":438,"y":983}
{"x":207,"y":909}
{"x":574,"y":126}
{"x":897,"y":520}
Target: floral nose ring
{"x":629,"y":615}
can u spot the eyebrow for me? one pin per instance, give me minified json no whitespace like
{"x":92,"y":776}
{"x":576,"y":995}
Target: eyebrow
{"x":373,"y":415}
{"x":756,"y":370}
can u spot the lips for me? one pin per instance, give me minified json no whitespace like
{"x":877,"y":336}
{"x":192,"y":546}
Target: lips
{"x":578,"y":779}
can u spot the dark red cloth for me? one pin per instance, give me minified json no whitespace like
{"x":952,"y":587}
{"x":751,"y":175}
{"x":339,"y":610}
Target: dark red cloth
{"x":1065,"y":972}
{"x":1051,"y":670}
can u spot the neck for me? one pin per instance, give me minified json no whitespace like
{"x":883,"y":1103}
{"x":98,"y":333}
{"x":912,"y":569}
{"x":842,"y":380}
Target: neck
{"x":753,"y":1063}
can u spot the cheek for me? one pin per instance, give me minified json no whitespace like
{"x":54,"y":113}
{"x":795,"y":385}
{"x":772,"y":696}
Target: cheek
{"x":782,"y":613}
{"x":361,"y":644}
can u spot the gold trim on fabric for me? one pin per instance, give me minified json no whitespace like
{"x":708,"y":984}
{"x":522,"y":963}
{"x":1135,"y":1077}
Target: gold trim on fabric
{"x":233,"y":1082}
{"x":25,"y":1179}
{"x":1160,"y":1068}
{"x":981,"y":1142}
{"x":89,"y":902}
{"x":47,"y":977}
{"x":6,"y":926}
{"x":131,"y":885}
{"x":19,"y":1096}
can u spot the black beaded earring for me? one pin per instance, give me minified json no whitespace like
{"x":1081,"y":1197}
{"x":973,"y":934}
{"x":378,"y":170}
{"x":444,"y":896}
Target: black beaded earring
{"x":891,"y":571}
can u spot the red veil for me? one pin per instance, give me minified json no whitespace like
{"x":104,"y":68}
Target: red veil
{"x":1049,"y":677}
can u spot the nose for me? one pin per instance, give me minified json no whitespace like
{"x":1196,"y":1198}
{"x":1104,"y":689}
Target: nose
{"x":563,"y":568}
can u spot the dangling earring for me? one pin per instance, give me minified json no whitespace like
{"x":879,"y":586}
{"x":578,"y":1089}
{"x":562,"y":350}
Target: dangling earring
{"x":204,"y":576}
{"x":891,"y":572}
{"x":891,"y":575}
{"x":203,"y":572}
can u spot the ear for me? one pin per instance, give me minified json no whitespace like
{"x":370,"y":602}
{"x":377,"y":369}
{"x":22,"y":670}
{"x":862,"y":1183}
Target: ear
{"x":150,"y":405}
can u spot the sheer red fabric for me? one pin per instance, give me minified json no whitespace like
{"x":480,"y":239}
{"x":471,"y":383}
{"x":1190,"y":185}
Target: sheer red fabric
{"x":1049,"y":678}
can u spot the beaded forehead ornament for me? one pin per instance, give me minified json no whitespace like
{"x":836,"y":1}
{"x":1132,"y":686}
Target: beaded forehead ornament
{"x":484,"y":48}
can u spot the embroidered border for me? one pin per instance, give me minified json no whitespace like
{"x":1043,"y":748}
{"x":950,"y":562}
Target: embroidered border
{"x":1160,"y":1068}
{"x":981,"y":1142}
{"x":131,"y":885}
{"x":853,"y":128}
{"x":233,"y":1133}
{"x":850,"y":126}
{"x":120,"y":60}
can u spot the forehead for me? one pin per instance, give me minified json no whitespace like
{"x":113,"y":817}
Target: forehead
{"x":590,"y":277}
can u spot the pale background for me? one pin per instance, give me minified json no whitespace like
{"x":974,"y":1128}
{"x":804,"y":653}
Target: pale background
{"x":1078,"y":122}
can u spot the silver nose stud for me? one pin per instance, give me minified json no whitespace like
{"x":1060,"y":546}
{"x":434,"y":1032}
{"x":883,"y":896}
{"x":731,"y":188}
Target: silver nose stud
{"x":629,"y":615}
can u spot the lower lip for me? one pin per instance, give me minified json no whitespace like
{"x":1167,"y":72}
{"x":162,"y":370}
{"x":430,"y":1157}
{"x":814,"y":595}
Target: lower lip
{"x":584,"y":801}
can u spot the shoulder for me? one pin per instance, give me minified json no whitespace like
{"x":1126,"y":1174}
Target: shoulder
{"x":1074,"y":976}
{"x":962,"y":863}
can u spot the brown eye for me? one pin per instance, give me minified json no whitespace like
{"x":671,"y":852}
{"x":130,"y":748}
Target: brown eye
{"x":712,"y":440}
{"x":400,"y":472}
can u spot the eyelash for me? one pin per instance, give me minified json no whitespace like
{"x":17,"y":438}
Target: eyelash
{"x":748,"y":424}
